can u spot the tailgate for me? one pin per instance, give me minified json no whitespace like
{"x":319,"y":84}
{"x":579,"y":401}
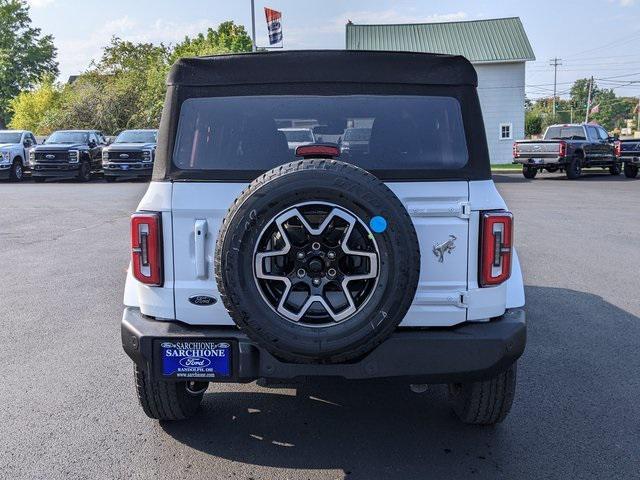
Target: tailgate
{"x":538,"y":149}
{"x":439,"y":210}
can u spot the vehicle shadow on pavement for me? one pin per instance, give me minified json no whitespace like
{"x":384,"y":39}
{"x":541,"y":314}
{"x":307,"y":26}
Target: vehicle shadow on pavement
{"x":383,"y":430}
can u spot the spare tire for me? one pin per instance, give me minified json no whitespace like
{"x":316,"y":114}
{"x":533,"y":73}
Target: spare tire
{"x":317,"y":261}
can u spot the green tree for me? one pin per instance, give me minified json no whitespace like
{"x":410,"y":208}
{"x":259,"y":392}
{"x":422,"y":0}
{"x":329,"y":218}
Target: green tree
{"x":31,"y":107}
{"x":126,"y":87}
{"x":227,"y":38}
{"x":532,"y":124}
{"x":25,"y":54}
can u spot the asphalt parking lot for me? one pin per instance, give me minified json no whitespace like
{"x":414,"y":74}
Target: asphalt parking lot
{"x":68,"y":403}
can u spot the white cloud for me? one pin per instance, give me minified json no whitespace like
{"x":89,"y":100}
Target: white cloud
{"x":395,"y":16}
{"x":624,"y":3}
{"x":75,"y":56}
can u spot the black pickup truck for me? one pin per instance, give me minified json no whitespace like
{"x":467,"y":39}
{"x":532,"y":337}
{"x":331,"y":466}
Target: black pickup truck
{"x":628,"y":151}
{"x":568,"y":148}
{"x":68,"y":154}
{"x":131,"y":155}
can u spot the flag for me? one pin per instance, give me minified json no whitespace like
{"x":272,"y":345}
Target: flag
{"x":595,"y":109}
{"x":274,"y":25}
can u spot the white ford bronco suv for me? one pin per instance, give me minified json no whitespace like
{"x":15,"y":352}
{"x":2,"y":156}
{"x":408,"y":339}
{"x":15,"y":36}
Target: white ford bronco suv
{"x":251,"y":261}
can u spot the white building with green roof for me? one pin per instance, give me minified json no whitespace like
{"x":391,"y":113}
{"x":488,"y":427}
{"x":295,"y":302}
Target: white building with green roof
{"x":498,"y":49}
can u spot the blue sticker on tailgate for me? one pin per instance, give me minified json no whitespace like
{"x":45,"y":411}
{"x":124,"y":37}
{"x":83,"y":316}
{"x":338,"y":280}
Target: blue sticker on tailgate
{"x":208,"y":359}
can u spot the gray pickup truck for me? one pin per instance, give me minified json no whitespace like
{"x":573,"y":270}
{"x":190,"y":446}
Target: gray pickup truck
{"x":568,"y":148}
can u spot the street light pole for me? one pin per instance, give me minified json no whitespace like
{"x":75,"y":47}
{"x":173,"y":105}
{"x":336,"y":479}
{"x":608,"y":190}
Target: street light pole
{"x":253,"y":27}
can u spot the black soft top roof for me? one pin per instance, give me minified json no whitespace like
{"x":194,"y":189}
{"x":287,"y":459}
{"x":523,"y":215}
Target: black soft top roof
{"x":313,"y":66}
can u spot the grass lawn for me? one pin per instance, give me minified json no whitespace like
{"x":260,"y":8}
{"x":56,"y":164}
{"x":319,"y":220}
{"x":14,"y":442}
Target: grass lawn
{"x":505,"y":166}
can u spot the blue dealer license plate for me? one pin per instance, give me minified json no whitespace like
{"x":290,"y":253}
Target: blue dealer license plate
{"x":196,"y":359}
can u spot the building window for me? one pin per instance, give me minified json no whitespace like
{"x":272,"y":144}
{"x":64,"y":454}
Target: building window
{"x":505,"y":131}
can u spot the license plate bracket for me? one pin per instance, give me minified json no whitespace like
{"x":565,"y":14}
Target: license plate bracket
{"x":196,"y":359}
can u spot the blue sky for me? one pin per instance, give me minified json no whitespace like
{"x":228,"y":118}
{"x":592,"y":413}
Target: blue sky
{"x":593,"y":37}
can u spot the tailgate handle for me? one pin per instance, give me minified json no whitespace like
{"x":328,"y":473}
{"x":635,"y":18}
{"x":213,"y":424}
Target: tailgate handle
{"x":200,"y":235}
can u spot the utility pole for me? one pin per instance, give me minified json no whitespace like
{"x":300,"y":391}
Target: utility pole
{"x":638,"y":120}
{"x":571,"y":121}
{"x":253,"y":26}
{"x":586,"y":116}
{"x":555,"y":62}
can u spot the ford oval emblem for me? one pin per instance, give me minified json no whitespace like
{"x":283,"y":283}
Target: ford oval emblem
{"x":202,"y":300}
{"x":194,"y":362}
{"x":124,"y":155}
{"x":50,"y":156}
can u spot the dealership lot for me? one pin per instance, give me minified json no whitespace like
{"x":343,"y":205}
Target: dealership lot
{"x":69,"y":408}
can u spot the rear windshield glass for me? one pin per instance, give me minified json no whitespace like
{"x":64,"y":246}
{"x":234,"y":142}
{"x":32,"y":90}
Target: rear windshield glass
{"x":564,"y":133}
{"x":357,"y":134}
{"x":249,"y":133}
{"x":294,"y":136}
{"x":137,"y":136}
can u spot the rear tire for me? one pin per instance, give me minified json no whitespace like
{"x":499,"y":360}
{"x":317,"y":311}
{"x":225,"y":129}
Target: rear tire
{"x":164,"y":400}
{"x":17,"y":172}
{"x":615,"y":169}
{"x":529,"y":172}
{"x":487,"y":402}
{"x":574,"y":169}
{"x":630,"y":170}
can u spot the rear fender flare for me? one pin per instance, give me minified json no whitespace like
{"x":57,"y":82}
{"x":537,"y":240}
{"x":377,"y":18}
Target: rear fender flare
{"x":515,"y":284}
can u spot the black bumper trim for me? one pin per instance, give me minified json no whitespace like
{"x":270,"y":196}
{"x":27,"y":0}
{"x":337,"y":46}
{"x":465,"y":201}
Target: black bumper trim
{"x":468,"y":352}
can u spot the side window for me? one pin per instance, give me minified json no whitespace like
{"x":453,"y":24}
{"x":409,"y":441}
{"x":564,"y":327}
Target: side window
{"x":506,"y":131}
{"x":93,"y":138}
{"x":33,"y":139}
{"x":603,"y":135}
{"x":593,"y":133}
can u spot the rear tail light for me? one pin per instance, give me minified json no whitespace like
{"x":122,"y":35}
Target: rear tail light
{"x":495,"y":248}
{"x":515,"y":150}
{"x":146,"y":248}
{"x":617,"y":148}
{"x":562,"y":149}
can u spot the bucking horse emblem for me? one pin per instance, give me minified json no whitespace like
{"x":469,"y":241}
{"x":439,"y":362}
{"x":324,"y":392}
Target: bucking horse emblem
{"x":445,"y":247}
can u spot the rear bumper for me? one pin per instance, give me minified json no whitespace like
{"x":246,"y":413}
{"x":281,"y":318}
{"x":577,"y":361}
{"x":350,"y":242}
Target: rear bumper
{"x":540,"y":161}
{"x":469,"y":352}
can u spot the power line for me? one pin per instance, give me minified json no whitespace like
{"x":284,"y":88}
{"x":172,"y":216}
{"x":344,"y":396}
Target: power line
{"x":615,"y":42}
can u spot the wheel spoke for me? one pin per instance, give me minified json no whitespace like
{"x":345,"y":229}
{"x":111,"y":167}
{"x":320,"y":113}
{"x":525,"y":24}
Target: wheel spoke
{"x":317,"y":294}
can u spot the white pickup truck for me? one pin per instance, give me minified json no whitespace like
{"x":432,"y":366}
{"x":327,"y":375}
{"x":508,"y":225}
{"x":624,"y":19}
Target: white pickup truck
{"x":14,"y":153}
{"x":397,"y":262}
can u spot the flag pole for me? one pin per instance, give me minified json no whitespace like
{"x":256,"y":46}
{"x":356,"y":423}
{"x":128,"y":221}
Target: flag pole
{"x":253,"y":26}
